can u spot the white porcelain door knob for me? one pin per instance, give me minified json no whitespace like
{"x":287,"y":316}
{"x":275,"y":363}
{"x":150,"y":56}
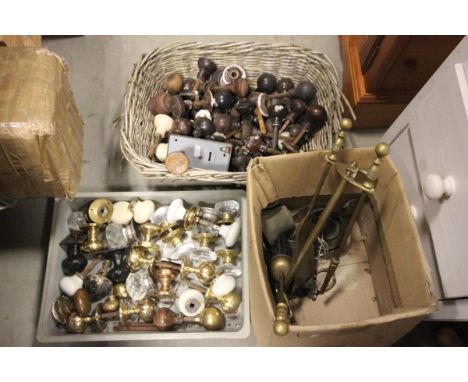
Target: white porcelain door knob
{"x":191,"y":303}
{"x":122,"y":213}
{"x":222,"y":285}
{"x":163,"y":124}
{"x":161,"y":151}
{"x":436,"y":187}
{"x":70,"y":284}
{"x":176,"y":211}
{"x":231,"y":232}
{"x":142,"y":210}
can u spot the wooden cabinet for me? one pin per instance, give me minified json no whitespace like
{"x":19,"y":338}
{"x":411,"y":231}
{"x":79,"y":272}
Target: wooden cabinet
{"x":382,"y":74}
{"x":428,"y":145}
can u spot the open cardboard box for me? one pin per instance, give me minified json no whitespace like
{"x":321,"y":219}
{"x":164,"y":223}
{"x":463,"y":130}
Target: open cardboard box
{"x":384,"y":286}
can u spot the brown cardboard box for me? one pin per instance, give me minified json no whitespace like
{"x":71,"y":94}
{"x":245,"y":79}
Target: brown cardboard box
{"x":41,"y":130}
{"x":383,"y":285}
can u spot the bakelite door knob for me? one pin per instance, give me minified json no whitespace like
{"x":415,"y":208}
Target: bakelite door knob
{"x":75,"y":262}
{"x":306,"y":91}
{"x":224,"y":100}
{"x":203,"y":127}
{"x":266,"y":83}
{"x":120,"y":271}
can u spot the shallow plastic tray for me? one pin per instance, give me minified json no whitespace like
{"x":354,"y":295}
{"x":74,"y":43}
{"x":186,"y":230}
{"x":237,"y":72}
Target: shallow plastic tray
{"x":47,"y":332}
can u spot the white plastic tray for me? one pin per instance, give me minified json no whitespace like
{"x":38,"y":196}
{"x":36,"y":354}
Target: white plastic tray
{"x":47,"y":332}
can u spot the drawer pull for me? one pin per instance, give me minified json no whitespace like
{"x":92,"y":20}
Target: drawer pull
{"x":435,"y":187}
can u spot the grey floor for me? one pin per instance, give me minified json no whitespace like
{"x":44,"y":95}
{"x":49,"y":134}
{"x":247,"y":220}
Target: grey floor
{"x":99,"y":70}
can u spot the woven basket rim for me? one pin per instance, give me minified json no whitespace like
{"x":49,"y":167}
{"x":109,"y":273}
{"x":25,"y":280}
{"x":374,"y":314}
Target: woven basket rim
{"x":157,"y":170}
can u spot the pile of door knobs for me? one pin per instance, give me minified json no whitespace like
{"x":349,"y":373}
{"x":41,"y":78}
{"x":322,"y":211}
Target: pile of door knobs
{"x":278,"y":117}
{"x":147,"y":268}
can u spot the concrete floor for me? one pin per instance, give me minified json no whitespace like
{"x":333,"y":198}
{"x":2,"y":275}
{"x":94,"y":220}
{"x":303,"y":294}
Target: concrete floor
{"x":99,"y":70}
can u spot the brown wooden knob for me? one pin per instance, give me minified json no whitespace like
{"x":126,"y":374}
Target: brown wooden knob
{"x":284,"y":85}
{"x":298,"y":108}
{"x":317,"y":115}
{"x":187,"y":85}
{"x":177,"y":163}
{"x":160,"y":104}
{"x":174,"y":82}
{"x":240,"y":87}
{"x":177,"y":106}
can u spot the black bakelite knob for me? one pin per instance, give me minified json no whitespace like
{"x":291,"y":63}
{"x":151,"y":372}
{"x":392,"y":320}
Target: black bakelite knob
{"x":119,"y":273}
{"x":240,"y":161}
{"x":266,"y":83}
{"x":306,"y":91}
{"x":206,"y":67}
{"x":224,"y":100}
{"x":182,"y":126}
{"x":203,"y":127}
{"x":284,"y":85}
{"x":75,"y":262}
{"x":187,"y":85}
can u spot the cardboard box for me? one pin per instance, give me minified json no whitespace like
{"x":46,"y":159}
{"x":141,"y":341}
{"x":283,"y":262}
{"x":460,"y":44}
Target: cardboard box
{"x":41,"y":130}
{"x":384,"y":286}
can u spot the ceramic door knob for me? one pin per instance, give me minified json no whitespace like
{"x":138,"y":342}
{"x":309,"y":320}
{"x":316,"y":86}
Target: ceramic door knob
{"x":176,"y":211}
{"x":231,"y":232}
{"x":122,"y":213}
{"x":142,"y":210}
{"x":435,"y":187}
{"x":187,"y":85}
{"x":70,"y":284}
{"x":159,"y":215}
{"x":163,"y":124}
{"x":161,"y":152}
{"x":222,"y":285}
{"x":266,"y":83}
{"x":191,"y":302}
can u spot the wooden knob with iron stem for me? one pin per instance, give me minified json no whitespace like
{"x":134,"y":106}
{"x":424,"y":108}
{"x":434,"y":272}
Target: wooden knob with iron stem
{"x":266,"y":83}
{"x":298,"y":108}
{"x":160,"y":104}
{"x":239,"y":87}
{"x":206,"y":68}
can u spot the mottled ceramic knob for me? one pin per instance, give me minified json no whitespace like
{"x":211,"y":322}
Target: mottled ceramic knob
{"x":224,"y":100}
{"x":160,"y":104}
{"x":203,"y":127}
{"x":187,"y":85}
{"x":182,"y":126}
{"x":174,"y":82}
{"x":284,"y":85}
{"x":266,"y":83}
{"x":223,"y":123}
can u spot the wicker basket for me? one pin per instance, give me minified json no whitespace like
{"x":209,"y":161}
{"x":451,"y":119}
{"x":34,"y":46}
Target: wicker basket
{"x":282,"y":60}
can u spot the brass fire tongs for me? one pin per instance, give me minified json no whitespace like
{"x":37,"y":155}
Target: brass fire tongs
{"x":348,"y":174}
